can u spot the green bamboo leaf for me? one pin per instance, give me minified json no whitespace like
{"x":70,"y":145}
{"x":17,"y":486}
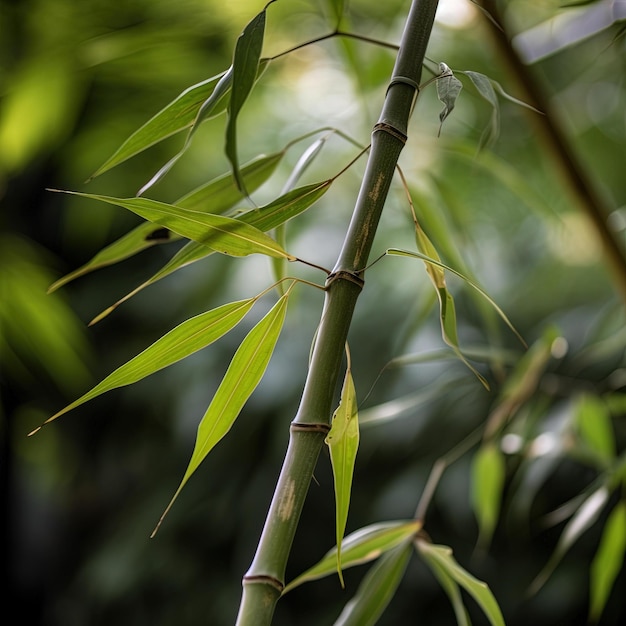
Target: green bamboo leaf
{"x":608,"y":560}
{"x":593,"y":423}
{"x":189,"y":337}
{"x":175,"y":117}
{"x":336,"y":8}
{"x":453,"y":591}
{"x":343,"y":443}
{"x":485,"y":89}
{"x":244,"y":71}
{"x":445,"y":562}
{"x":448,"y":90}
{"x":361,"y":546}
{"x":242,"y":377}
{"x":264,"y":218}
{"x":584,"y":518}
{"x":488,"y":474}
{"x":377,"y":588}
{"x":222,"y":234}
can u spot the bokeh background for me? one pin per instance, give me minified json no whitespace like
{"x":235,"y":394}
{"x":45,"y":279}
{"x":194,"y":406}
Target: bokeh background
{"x":80,"y":499}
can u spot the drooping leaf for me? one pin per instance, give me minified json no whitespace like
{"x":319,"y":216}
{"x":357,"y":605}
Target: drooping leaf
{"x":222,"y":234}
{"x":189,"y":337}
{"x":584,"y":518}
{"x":377,"y":588}
{"x":244,"y":71}
{"x":242,"y":377}
{"x":448,"y":90}
{"x":488,"y":474}
{"x":343,"y":443}
{"x":485,"y":89}
{"x":264,"y":218}
{"x":447,"y":564}
{"x":360,"y":547}
{"x":593,"y":422}
{"x":453,"y":591}
{"x":608,"y":561}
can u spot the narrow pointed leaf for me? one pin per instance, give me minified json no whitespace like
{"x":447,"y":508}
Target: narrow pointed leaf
{"x":593,"y":422}
{"x":264,"y":218}
{"x":443,"y":558}
{"x":377,"y":588}
{"x":222,"y":234}
{"x":343,"y":443}
{"x":453,"y":591}
{"x":448,"y":90}
{"x":244,"y":71}
{"x":242,"y":377}
{"x":360,"y":547}
{"x":608,"y":561}
{"x":584,"y":518}
{"x":485,"y":89}
{"x":488,"y":474}
{"x":189,"y":337}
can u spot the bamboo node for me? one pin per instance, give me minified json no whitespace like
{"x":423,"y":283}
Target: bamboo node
{"x":310,"y":428}
{"x":353,"y":277}
{"x":390,"y":130}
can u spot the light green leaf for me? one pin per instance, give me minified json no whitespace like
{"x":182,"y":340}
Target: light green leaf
{"x":377,"y":588}
{"x":608,"y":560}
{"x":485,"y":89}
{"x":446,"y":563}
{"x":244,"y":71}
{"x":488,"y":474}
{"x":593,"y":423}
{"x":189,"y":337}
{"x":242,"y":377}
{"x":584,"y":518}
{"x":337,"y":9}
{"x":264,"y":218}
{"x":343,"y":442}
{"x":453,"y":592}
{"x":361,"y":546}
{"x":222,"y":234}
{"x":448,"y":90}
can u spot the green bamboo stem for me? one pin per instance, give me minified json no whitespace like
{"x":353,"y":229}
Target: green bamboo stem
{"x":575,"y":176}
{"x":265,"y":579}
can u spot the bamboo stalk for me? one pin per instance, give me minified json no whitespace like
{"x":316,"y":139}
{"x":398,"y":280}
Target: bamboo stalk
{"x":264,"y":581}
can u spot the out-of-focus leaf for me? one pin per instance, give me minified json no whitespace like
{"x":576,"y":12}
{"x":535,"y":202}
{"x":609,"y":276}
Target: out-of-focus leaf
{"x":264,"y":218}
{"x":242,"y":377}
{"x":608,"y":560}
{"x":593,"y":422}
{"x":453,"y":591}
{"x":448,"y":90}
{"x":582,"y":520}
{"x":488,"y":474}
{"x":244,"y":71}
{"x":377,"y":588}
{"x":485,"y":89}
{"x":222,"y":234}
{"x":343,"y":443}
{"x":446,"y":564}
{"x":360,"y":547}
{"x":337,"y":9}
{"x":189,"y":337}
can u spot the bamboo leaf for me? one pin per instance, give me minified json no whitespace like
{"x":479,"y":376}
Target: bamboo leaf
{"x":189,"y":337}
{"x":485,"y":89}
{"x":264,"y":218}
{"x":488,"y":474}
{"x":584,"y":518}
{"x":222,"y":234}
{"x":244,"y":71}
{"x":608,"y":560}
{"x":377,"y":588}
{"x":242,"y":377}
{"x":453,"y":592}
{"x":448,"y":90}
{"x":593,"y":423}
{"x":337,"y":9}
{"x":443,"y":559}
{"x":361,"y":546}
{"x":343,"y":442}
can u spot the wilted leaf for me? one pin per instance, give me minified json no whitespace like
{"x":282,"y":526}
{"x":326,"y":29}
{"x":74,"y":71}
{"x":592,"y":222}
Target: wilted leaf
{"x":189,"y":337}
{"x":343,"y":442}
{"x":448,"y":90}
{"x":594,"y":425}
{"x":242,"y":377}
{"x":442,"y":557}
{"x":488,"y":474}
{"x":377,"y":588}
{"x":608,"y":560}
{"x":360,"y":547}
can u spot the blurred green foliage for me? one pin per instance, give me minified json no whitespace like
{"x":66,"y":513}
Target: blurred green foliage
{"x":80,"y":498}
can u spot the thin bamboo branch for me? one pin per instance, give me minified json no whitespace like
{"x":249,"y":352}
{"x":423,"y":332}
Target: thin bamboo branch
{"x":576,"y":177}
{"x":264,"y":581}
